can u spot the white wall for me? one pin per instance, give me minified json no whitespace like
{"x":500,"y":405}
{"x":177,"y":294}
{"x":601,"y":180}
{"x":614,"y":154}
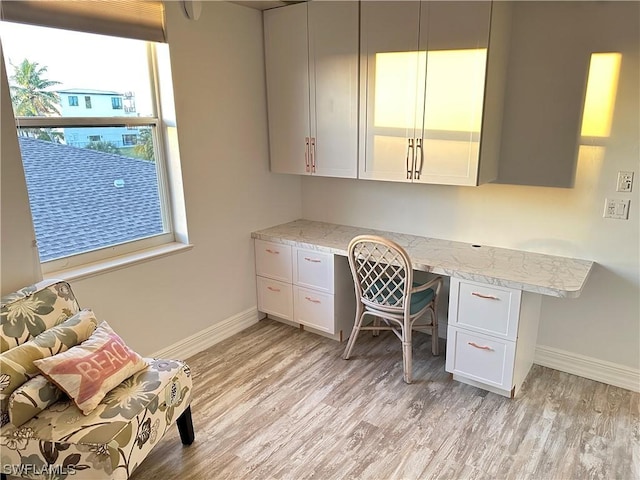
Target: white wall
{"x":604,"y":323}
{"x":218,"y":76}
{"x":220,"y":101}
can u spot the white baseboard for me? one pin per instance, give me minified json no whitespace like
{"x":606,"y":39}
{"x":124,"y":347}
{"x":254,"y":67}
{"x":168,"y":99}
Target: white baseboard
{"x":588,"y":367}
{"x":208,"y":337}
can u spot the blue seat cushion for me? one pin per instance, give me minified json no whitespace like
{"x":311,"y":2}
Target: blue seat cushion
{"x":419,"y":300}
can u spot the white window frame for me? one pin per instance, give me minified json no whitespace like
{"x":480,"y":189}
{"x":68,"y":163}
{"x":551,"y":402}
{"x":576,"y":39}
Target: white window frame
{"x":154,"y":122}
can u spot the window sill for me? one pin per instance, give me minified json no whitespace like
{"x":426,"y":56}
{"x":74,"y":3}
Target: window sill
{"x":116,"y":263}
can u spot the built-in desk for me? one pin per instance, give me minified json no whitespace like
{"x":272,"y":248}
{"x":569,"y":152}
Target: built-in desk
{"x":494,"y":296}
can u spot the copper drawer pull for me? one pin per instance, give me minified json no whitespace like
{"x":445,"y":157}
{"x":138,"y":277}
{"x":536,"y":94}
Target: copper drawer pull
{"x":480,"y":347}
{"x":489,"y":297}
{"x":273,"y":289}
{"x":312,"y":300}
{"x":275,"y":252}
{"x":312,"y":260}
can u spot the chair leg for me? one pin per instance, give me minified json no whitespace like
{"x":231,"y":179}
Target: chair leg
{"x":435,"y":341}
{"x":185,"y":427}
{"x":354,"y":332}
{"x":407,"y":354}
{"x":376,"y":323}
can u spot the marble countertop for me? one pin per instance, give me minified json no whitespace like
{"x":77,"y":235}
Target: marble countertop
{"x":531,"y":272}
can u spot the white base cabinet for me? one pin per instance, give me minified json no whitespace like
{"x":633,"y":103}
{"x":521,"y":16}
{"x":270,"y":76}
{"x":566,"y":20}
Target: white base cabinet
{"x":305,"y":287}
{"x":491,"y":335}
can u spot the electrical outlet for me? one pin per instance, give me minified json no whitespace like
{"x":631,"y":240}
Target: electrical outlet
{"x":618,"y":209}
{"x":625,"y":182}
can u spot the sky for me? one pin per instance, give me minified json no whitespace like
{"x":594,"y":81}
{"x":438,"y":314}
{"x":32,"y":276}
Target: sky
{"x":80,"y":60}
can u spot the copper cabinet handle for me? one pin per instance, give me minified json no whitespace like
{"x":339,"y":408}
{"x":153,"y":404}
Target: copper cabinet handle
{"x":274,"y":252}
{"x":410,"y":158}
{"x":488,"y":297}
{"x":420,"y":157}
{"x":273,"y":289}
{"x":312,"y":300}
{"x":312,"y":141}
{"x":312,"y":260}
{"x":480,"y":346}
{"x":306,"y":153}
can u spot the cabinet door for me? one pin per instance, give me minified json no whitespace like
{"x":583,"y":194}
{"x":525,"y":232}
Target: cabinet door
{"x":273,"y":260}
{"x":487,"y":309}
{"x":314,"y":309}
{"x":392,"y":92}
{"x":287,"y":72}
{"x":313,"y":269}
{"x":455,"y":36}
{"x":275,"y":298}
{"x":333,"y":66}
{"x":482,"y":358}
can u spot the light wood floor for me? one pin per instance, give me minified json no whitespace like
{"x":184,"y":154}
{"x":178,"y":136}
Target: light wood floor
{"x":273,"y":402}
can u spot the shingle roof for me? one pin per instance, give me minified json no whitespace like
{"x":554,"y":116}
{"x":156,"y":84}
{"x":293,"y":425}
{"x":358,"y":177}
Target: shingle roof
{"x":75,"y":203}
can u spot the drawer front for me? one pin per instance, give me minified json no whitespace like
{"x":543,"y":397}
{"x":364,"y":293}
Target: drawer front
{"x":275,"y":298}
{"x":484,"y":308}
{"x":314,"y":309}
{"x":313,"y":269}
{"x":481,"y":358}
{"x":273,"y":260}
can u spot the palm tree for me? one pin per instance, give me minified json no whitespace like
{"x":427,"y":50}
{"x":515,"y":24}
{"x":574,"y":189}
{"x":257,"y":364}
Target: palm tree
{"x":29,"y":93}
{"x":30,"y":98}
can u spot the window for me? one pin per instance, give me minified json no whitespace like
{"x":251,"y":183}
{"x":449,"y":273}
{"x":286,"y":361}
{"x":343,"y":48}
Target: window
{"x":105,"y":186}
{"x":129,"y":139}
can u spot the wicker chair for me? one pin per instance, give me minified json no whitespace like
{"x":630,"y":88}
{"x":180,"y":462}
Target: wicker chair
{"x":385,"y":290}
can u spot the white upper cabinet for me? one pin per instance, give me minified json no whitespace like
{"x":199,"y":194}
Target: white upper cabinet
{"x":431,"y":110}
{"x":311,"y":54}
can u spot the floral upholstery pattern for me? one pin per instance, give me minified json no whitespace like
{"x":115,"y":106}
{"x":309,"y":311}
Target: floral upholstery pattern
{"x":34,"y":309}
{"x":31,"y":398}
{"x":110,"y":442}
{"x":17,"y":364}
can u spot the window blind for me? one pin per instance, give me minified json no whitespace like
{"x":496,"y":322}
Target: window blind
{"x":139,"y":19}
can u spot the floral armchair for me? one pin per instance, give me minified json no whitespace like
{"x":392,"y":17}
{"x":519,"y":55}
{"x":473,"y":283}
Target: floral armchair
{"x":43,"y":433}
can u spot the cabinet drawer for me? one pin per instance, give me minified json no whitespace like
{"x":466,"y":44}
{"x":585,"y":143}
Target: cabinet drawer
{"x":480,"y":357}
{"x":313,"y":269}
{"x":273,"y":260}
{"x":275,"y":298}
{"x":314,"y":309}
{"x":484,"y":308}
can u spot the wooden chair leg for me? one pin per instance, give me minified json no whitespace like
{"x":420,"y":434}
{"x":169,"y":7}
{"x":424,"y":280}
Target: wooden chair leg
{"x":185,"y":427}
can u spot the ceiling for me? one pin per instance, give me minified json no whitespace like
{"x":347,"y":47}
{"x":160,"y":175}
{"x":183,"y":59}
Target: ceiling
{"x":266,"y":4}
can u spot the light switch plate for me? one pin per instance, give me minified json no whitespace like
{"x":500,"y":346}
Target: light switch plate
{"x":618,"y":209}
{"x":625,"y":182}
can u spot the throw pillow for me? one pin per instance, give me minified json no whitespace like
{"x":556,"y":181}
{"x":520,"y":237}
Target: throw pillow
{"x":88,"y":371}
{"x":31,"y":398}
{"x":17,"y":364}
